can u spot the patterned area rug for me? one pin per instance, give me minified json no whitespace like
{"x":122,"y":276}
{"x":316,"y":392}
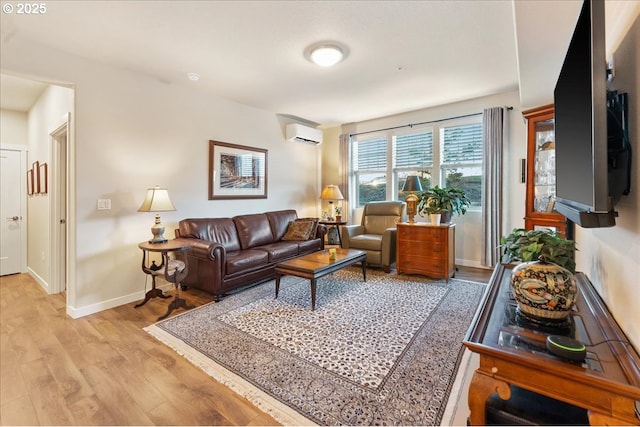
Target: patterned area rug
{"x":380,"y":352}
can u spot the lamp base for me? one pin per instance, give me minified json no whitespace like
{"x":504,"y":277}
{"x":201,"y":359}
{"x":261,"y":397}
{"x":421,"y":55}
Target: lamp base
{"x":158,"y":234}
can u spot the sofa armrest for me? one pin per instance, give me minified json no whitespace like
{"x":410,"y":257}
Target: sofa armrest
{"x":349,"y":231}
{"x":321,"y":231}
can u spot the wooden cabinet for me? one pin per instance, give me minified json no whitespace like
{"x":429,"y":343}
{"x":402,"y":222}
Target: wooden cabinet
{"x":541,"y":171}
{"x":512,"y":351}
{"x":426,"y":249}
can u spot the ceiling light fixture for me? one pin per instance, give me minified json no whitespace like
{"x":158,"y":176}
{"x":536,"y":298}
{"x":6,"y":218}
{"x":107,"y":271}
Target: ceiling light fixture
{"x":325,"y":54}
{"x":193,"y":76}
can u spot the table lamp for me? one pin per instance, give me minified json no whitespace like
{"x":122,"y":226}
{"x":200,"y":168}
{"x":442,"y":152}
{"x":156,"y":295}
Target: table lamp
{"x":331,"y":192}
{"x":411,"y":185}
{"x":157,"y":200}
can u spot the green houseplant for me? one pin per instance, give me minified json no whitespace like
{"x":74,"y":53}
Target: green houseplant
{"x":446,"y":201}
{"x":539,"y":245}
{"x":543,"y":283}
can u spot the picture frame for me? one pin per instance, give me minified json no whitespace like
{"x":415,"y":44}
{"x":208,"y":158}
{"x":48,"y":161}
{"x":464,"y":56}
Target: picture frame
{"x":43,"y":178}
{"x":237,"y":171}
{"x":30,"y":182}
{"x":35,"y":167}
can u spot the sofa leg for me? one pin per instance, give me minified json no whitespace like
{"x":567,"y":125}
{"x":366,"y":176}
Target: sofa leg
{"x":386,"y":269}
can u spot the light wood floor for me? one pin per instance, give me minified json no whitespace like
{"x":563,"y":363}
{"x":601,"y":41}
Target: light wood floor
{"x":103,"y":369}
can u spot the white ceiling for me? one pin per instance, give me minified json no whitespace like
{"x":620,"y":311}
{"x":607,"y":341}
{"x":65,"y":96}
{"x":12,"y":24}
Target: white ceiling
{"x":403,"y":55}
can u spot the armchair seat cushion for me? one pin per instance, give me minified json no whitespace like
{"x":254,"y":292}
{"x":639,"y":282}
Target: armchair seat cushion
{"x":367,"y":242}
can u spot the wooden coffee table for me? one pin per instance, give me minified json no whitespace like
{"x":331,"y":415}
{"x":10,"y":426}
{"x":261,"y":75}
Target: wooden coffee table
{"x":316,"y":265}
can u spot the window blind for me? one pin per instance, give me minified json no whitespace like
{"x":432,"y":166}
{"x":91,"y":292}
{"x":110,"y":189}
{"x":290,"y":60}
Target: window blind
{"x":414,"y":150}
{"x":371,"y":154}
{"x":462,"y":144}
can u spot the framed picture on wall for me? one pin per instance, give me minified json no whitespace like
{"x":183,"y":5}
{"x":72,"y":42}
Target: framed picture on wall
{"x":237,"y":171}
{"x":43,"y":178}
{"x":35,"y":167}
{"x":30,"y":182}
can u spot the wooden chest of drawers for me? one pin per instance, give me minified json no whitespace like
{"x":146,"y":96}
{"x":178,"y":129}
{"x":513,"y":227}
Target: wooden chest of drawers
{"x":426,"y":249}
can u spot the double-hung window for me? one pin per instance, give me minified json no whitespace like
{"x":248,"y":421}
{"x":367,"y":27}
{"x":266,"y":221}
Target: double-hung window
{"x":413,"y":155}
{"x":370,"y":170}
{"x":461,"y":159}
{"x":448,"y":154}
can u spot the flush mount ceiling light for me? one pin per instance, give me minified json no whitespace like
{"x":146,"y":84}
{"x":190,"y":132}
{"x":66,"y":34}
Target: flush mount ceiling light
{"x":193,"y":76}
{"x":325,"y":54}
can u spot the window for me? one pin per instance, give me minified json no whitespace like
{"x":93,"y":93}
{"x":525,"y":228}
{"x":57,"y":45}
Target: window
{"x":370,"y":170}
{"x":413,"y":155}
{"x":448,"y":154}
{"x":461,"y":160}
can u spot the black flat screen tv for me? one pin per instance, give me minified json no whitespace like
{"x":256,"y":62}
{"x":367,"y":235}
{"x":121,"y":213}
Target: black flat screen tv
{"x":593,"y":154}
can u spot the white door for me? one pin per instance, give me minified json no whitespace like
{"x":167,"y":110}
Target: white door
{"x":11,"y":215}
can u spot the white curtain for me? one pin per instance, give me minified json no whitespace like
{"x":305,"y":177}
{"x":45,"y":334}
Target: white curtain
{"x":493,"y":135}
{"x":344,"y":167}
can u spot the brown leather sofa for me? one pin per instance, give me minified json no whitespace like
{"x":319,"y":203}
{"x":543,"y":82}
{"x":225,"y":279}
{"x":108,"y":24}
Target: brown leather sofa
{"x":228,"y":253}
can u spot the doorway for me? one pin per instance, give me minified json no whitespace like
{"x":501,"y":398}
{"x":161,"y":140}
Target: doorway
{"x":59,"y":206}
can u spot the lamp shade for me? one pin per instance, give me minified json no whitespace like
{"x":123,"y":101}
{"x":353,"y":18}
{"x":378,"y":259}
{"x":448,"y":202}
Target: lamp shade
{"x":157,"y":200}
{"x":412,"y":183}
{"x":331,"y":192}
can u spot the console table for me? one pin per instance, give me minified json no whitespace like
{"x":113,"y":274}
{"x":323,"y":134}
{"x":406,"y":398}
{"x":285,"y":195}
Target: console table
{"x":512,"y":352}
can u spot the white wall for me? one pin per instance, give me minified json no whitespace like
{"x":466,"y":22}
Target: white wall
{"x":133,"y":132}
{"x":13,"y":127}
{"x":43,"y":118}
{"x":468,"y":227}
{"x":611,"y":256}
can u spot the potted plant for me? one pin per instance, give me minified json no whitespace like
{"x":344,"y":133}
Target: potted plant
{"x":543,"y":283}
{"x":450,"y":200}
{"x":433,"y":209}
{"x":338,"y":213}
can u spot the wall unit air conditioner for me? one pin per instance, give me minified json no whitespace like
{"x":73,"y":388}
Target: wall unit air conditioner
{"x":299,"y":133}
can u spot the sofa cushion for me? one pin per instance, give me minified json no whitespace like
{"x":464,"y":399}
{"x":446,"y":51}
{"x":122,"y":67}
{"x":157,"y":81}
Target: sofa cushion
{"x":309,"y":246}
{"x":253,"y":230}
{"x":220,"y":230}
{"x":279,"y":221}
{"x":245,"y":260}
{"x":280,"y":250}
{"x":299,"y":230}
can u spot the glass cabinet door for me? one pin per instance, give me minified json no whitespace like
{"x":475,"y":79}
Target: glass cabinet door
{"x":544,"y":179}
{"x":541,"y":172}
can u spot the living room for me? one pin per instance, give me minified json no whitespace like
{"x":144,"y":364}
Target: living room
{"x":131,"y":131}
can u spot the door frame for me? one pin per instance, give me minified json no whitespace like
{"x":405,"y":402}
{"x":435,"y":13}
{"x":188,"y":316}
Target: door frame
{"x":57,"y":285}
{"x":23,"y":149}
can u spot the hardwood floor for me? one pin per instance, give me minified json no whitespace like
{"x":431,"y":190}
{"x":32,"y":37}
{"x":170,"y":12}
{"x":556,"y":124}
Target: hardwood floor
{"x":103,"y":369}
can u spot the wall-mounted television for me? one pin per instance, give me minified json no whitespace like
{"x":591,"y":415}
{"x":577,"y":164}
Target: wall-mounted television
{"x":593,"y":153}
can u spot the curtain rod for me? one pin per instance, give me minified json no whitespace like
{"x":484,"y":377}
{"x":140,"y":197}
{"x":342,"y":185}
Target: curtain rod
{"x":410,"y":125}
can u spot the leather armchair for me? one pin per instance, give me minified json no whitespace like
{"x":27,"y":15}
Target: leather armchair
{"x":376,"y":234}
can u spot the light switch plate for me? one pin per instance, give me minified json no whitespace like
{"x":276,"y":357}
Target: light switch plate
{"x":104,"y":204}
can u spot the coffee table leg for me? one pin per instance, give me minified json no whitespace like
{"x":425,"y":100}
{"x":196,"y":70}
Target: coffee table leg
{"x":313,"y":294}
{"x":364,"y":270}
{"x":277,"y":284}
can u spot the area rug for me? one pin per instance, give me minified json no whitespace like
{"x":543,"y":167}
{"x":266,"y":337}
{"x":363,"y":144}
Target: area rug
{"x":380,"y":352}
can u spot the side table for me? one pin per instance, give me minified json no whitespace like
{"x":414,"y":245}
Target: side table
{"x":333,"y":225}
{"x":173,"y":271}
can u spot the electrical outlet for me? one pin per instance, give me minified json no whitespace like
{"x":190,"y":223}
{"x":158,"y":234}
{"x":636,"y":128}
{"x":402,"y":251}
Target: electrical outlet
{"x":104,"y":204}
